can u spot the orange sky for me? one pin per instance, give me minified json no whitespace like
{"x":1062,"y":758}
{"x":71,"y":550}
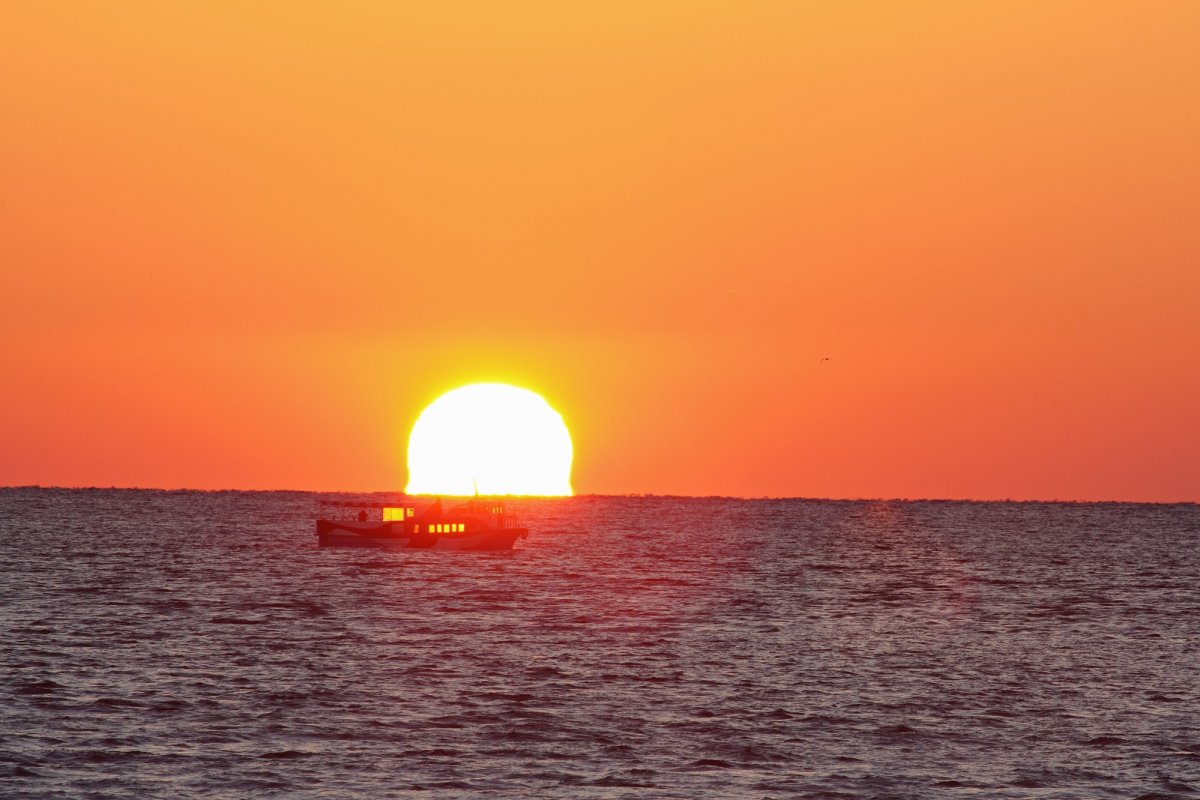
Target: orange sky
{"x":243,"y":245}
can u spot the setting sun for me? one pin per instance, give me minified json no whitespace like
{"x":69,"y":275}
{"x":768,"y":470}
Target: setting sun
{"x":489,"y":438}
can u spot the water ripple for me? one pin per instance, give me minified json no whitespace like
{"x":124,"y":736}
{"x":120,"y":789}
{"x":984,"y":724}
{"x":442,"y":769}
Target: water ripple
{"x":178,"y":644}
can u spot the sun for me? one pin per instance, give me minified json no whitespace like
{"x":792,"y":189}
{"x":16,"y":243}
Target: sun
{"x":489,"y":438}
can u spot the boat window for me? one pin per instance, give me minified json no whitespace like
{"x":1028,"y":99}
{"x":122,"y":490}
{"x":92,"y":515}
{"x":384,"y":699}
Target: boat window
{"x":460,"y":527}
{"x":417,"y":528}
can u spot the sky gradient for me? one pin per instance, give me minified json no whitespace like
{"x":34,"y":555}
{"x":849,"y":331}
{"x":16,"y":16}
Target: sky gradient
{"x":243,"y":247}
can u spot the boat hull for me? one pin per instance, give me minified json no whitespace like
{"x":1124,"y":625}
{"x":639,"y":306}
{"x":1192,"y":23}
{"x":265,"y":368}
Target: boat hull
{"x":333,"y":533}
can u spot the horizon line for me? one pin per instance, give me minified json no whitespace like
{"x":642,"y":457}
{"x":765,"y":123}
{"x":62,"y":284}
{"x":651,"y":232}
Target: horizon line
{"x":646,"y":495}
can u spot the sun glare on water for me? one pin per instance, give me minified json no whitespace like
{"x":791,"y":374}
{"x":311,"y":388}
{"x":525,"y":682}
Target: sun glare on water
{"x":489,"y":438}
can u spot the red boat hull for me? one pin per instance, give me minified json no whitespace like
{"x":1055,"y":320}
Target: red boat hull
{"x":338,"y":533}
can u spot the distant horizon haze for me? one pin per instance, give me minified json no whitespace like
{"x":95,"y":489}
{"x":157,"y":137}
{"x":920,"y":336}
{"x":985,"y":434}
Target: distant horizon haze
{"x":624,"y":495}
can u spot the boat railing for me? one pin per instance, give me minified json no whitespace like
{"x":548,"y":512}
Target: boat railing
{"x":350,"y":510}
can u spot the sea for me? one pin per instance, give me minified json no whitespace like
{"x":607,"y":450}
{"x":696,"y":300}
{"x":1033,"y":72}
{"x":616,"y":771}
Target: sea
{"x":178,"y":644}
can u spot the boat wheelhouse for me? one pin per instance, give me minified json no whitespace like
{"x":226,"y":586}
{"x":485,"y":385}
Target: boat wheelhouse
{"x":477,"y":524}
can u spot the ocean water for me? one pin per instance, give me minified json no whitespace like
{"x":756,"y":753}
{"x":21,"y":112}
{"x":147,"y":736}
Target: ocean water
{"x":184,"y":644}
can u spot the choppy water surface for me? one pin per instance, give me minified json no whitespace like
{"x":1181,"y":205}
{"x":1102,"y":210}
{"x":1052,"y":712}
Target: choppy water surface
{"x":171,"y":645}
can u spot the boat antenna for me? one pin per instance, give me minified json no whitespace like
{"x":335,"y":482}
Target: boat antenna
{"x":476,"y":485}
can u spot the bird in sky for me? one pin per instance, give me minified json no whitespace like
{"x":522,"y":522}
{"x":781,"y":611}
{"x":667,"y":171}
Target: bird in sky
{"x":823,"y":360}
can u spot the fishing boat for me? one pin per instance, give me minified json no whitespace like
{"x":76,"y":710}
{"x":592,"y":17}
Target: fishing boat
{"x":478,"y":524}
